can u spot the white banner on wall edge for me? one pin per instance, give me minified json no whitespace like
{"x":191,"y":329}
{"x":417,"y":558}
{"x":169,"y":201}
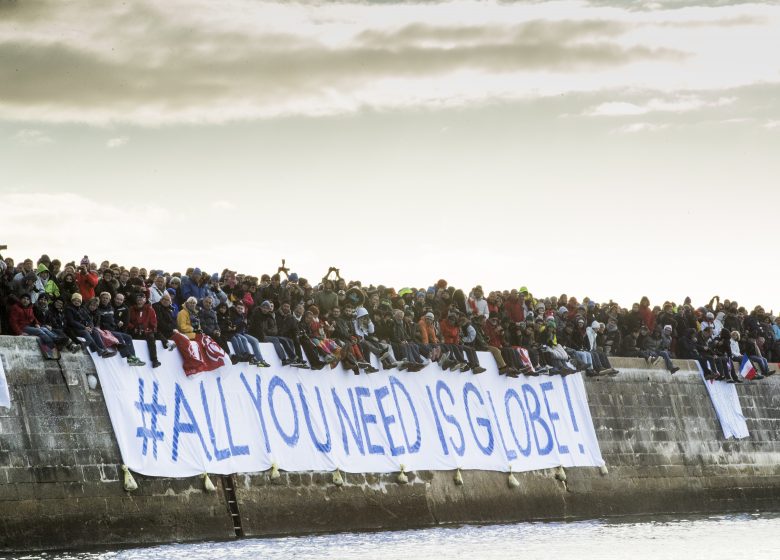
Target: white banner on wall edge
{"x":241,"y":418}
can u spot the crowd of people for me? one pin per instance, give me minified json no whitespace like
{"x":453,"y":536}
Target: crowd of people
{"x":332,"y":321}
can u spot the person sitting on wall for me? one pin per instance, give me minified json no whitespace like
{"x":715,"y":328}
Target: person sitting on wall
{"x":365,"y":332}
{"x":481,"y":343}
{"x":187,"y":320}
{"x":79,"y":323}
{"x":452,"y":353}
{"x":166,"y":321}
{"x":468,"y":336}
{"x":106,"y":320}
{"x":23,"y":323}
{"x":209,"y":322}
{"x":55,"y":322}
{"x":689,"y":349}
{"x":262,"y":325}
{"x":403,"y":345}
{"x":720,"y":347}
{"x":664,"y":349}
{"x":750,"y":348}
{"x":287,"y":324}
{"x":143,"y":326}
{"x":427,"y":338}
{"x":246,"y":343}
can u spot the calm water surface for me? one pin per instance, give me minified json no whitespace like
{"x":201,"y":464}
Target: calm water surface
{"x":732,"y":537}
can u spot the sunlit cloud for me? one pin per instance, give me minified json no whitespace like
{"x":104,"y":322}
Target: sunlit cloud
{"x":634,"y":128}
{"x":677,"y":105}
{"x":116,"y":142}
{"x":31,"y":137}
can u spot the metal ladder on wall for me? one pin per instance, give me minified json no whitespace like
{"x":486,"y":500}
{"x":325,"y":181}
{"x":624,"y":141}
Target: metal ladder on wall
{"x":229,"y":487}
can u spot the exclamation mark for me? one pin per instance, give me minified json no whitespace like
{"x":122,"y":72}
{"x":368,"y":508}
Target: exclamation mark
{"x":571,"y":412}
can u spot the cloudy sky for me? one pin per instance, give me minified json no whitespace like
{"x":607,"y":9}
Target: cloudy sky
{"x":608,"y":149}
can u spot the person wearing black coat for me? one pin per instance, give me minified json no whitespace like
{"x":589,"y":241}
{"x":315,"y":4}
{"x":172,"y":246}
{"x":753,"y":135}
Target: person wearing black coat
{"x":209,"y":323}
{"x":688,"y":348}
{"x":166,"y":320}
{"x":79,"y":322}
{"x":262,"y":325}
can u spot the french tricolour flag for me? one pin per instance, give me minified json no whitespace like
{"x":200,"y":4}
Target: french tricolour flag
{"x":747,"y":370}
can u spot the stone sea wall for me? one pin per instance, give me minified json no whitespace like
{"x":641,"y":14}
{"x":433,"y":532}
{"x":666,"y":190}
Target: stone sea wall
{"x":61,"y":479}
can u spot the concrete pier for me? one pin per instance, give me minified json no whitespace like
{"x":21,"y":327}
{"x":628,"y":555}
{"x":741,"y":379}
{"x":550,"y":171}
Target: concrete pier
{"x":61,"y":481}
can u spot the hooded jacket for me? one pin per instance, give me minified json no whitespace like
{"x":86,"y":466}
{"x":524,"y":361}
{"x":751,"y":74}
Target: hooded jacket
{"x":369,"y":327}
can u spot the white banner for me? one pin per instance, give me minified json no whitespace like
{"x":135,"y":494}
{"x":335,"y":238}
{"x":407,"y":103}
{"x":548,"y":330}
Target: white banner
{"x":243,"y":418}
{"x":5,"y":397}
{"x":727,"y":408}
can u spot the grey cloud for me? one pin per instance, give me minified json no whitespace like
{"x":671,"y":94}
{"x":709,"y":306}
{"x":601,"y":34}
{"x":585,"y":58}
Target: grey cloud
{"x":645,"y":6}
{"x":539,"y":31}
{"x":141,"y":61}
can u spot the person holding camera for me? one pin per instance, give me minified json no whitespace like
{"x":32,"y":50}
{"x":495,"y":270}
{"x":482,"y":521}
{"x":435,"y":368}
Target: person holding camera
{"x":86,"y":279}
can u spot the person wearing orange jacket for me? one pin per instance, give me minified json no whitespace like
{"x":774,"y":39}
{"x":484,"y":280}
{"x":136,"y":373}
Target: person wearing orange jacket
{"x":452,"y":354}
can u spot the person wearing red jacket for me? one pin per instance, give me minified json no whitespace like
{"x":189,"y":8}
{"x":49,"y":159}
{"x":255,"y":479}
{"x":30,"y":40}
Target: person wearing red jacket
{"x":648,"y":317}
{"x":23,"y":322}
{"x":86,"y":280}
{"x":515,"y":307}
{"x":452,"y":355}
{"x":142,"y":325}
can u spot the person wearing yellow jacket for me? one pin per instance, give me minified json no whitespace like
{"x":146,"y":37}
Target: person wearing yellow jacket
{"x":187,"y":319}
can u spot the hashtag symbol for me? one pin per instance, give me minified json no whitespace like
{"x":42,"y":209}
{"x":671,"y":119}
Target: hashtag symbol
{"x":153,"y":409}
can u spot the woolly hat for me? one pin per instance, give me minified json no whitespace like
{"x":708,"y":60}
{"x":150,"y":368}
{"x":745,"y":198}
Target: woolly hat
{"x":197,"y":270}
{"x":293,"y":277}
{"x":429,"y":315}
{"x":85,"y":261}
{"x":266,"y":304}
{"x":215,"y":277}
{"x":76,"y":296}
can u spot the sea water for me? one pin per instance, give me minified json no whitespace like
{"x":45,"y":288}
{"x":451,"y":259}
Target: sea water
{"x":715,"y":537}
